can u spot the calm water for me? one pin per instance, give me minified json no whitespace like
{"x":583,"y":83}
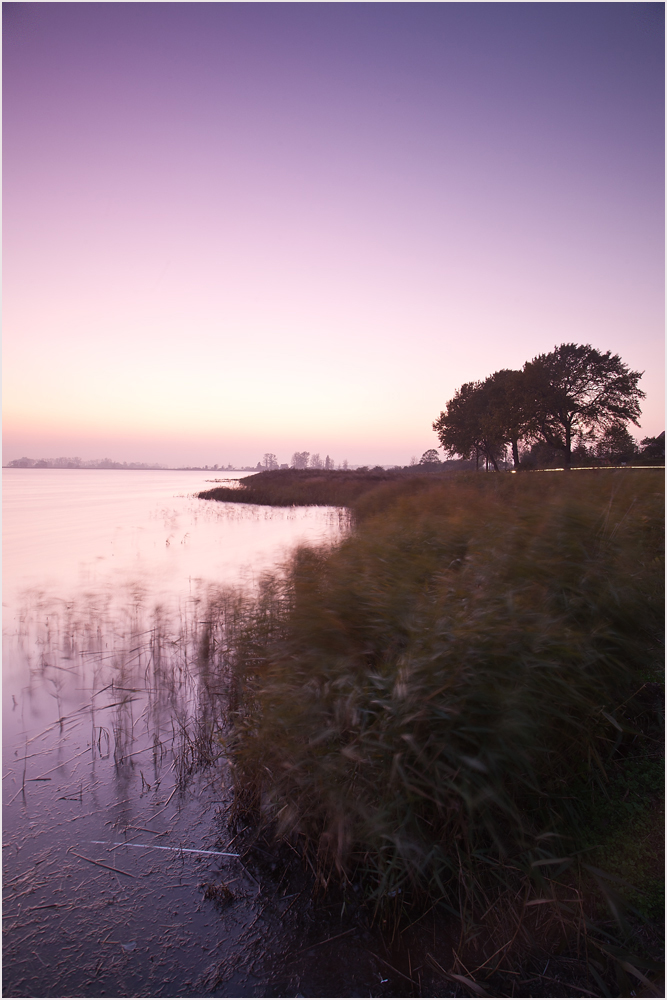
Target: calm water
{"x":113,"y":789}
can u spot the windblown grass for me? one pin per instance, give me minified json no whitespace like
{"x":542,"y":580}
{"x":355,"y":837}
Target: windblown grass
{"x":438,"y":701}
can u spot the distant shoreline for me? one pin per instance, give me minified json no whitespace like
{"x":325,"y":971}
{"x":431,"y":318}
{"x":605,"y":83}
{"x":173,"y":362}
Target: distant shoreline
{"x":119,"y":468}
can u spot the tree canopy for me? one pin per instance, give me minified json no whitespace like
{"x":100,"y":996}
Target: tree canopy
{"x":573,"y":394}
{"x":467,"y":427}
{"x":484,"y":417}
{"x":575,"y":390}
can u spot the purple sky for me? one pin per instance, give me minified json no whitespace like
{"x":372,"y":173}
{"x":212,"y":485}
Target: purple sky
{"x":239,"y":228}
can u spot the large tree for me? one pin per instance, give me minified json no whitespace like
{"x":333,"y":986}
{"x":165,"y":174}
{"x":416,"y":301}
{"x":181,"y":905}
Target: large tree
{"x":484,"y":417}
{"x":576,"y":391}
{"x":509,"y":409}
{"x":468,"y":427}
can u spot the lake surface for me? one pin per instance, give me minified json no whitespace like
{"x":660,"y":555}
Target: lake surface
{"x":119,"y":871}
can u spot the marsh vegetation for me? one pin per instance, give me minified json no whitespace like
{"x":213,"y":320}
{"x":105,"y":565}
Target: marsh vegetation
{"x":320,"y":488}
{"x":431,"y":736}
{"x":459,"y":706}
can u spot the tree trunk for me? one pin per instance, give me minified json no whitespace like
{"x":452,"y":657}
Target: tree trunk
{"x":490,"y":456}
{"x":568,"y":445}
{"x":515,"y":452}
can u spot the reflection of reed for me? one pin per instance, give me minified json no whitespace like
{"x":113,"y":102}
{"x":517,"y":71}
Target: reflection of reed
{"x":156,"y":678}
{"x":120,"y":701}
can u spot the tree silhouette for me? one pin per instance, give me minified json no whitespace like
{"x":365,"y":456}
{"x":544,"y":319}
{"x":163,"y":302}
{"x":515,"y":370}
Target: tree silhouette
{"x":653,"y":449}
{"x":576,"y":391}
{"x":474,"y":421}
{"x":616,"y":445}
{"x":572,"y":394}
{"x":508,"y":407}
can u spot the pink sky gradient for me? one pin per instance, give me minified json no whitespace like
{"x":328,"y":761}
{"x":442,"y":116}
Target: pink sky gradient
{"x":239,"y":228}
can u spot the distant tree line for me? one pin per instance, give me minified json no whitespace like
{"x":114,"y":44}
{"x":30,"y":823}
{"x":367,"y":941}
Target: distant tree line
{"x":300,"y":460}
{"x":572,"y":404}
{"x":304,"y":460}
{"x":76,"y":463}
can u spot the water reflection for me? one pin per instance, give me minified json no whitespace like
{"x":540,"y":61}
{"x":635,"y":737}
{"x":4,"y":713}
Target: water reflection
{"x":114,"y":690}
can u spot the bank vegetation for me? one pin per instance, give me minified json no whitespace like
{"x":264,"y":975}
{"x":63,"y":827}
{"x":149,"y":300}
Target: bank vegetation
{"x":460,"y":705}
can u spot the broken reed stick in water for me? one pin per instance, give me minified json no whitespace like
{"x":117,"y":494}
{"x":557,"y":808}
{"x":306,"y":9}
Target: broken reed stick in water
{"x":155,"y":815}
{"x":158,"y":847}
{"x":101,"y":865}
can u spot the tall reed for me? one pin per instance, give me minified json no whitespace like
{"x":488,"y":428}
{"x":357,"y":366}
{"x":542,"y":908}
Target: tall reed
{"x":436,"y":699}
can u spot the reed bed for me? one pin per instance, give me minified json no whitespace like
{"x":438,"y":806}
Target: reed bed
{"x":311,"y":487}
{"x":436,"y":704}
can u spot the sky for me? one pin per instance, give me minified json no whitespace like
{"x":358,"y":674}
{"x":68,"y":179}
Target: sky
{"x":232,"y":229}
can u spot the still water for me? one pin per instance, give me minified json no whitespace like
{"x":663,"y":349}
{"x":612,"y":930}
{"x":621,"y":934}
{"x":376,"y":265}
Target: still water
{"x":119,"y":871}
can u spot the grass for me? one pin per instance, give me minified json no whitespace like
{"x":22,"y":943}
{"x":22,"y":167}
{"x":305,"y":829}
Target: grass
{"x":629,"y":827}
{"x":314,"y":487}
{"x":452,"y":703}
{"x":319,"y":487}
